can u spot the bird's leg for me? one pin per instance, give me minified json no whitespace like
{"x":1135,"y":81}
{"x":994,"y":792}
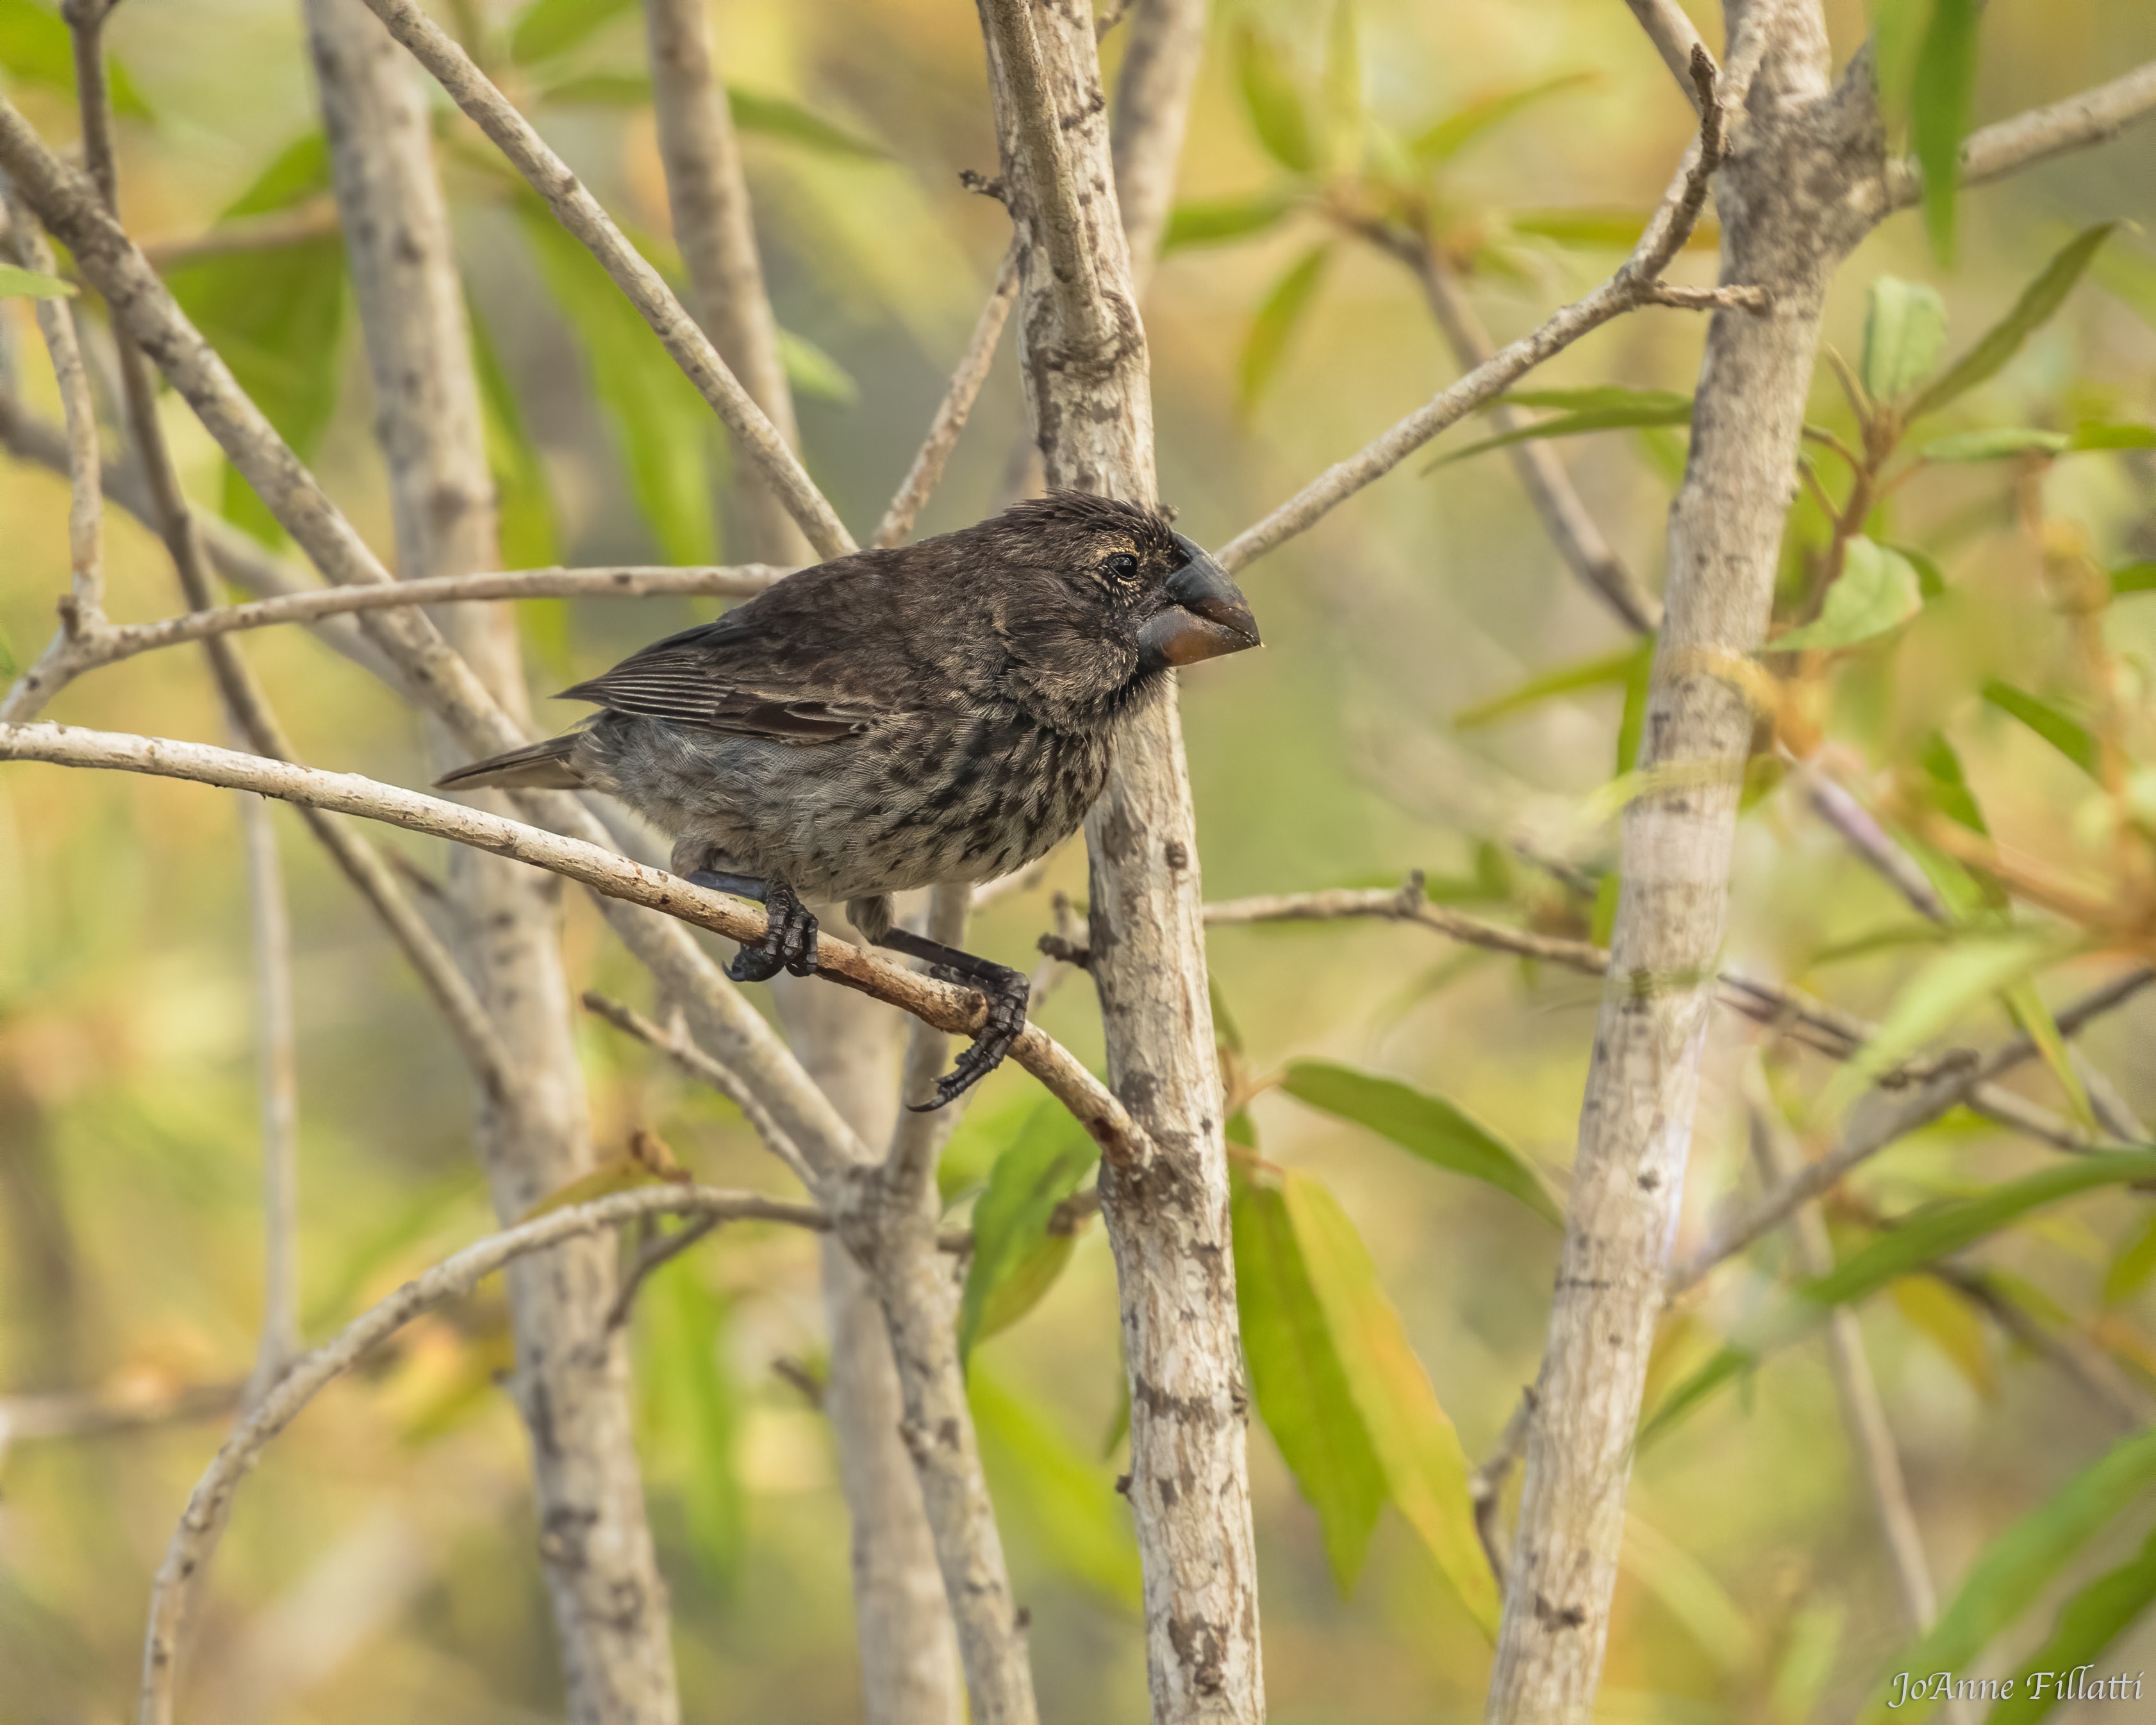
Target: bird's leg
{"x":1007,"y":992}
{"x":789,"y":934}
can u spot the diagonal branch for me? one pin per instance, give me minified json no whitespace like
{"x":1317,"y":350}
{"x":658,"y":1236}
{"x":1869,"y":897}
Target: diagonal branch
{"x":1676,"y":38}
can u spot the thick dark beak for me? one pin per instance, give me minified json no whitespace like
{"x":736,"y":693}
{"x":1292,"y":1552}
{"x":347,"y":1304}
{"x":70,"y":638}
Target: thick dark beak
{"x":1207,"y":616}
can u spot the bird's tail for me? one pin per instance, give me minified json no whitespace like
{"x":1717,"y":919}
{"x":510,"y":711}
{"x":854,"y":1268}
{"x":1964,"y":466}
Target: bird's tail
{"x":539,"y":766}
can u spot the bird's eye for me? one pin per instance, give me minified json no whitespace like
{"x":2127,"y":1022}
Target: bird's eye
{"x":1122,"y":567}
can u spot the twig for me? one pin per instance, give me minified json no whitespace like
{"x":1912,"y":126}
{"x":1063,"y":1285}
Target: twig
{"x":98,"y":1413}
{"x":2094,"y":1371}
{"x":1635,"y":283}
{"x":1675,"y":39}
{"x":451,"y":1279}
{"x":1875,"y":1127}
{"x":1162,"y":52}
{"x":613,"y":876}
{"x":663,"y":1249}
{"x":926,"y":471}
{"x":582,"y":214}
{"x":1486,"y":1486}
{"x":1863,"y":834}
{"x":279,"y":1079}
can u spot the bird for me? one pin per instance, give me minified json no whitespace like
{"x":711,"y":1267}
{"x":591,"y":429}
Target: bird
{"x":936,"y":713}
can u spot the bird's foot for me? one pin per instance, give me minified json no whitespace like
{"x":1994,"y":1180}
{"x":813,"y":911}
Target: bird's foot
{"x":1008,"y":993}
{"x":790,"y":935}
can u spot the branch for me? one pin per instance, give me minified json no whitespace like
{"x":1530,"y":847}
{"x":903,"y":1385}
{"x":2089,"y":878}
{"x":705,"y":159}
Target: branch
{"x":922,"y":477}
{"x":1878,"y":1126}
{"x":582,"y":214}
{"x":1675,"y":39}
{"x":97,"y":1413}
{"x":949,"y":1007}
{"x":271,"y":928}
{"x":1162,"y":52}
{"x":1635,"y":283}
{"x":2096,"y":1373}
{"x":309,"y":1374}
{"x":2094,"y":116}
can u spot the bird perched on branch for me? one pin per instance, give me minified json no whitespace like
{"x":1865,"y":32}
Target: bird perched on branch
{"x":941,"y":712}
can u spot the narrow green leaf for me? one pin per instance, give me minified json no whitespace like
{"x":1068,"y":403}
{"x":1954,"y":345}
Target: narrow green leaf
{"x":1266,"y":345}
{"x":8,"y":667}
{"x":1950,"y":789}
{"x":1441,"y":141}
{"x":1602,"y":398}
{"x":2033,"y":1018}
{"x":36,"y":47}
{"x":1905,"y":332}
{"x":1215,"y":220}
{"x":1995,"y":444}
{"x":2133,"y":1264}
{"x":598,"y":90}
{"x":1015,"y":1259}
{"x":1299,"y":1384}
{"x":545,"y":28}
{"x":2015,"y":1568}
{"x":1878,"y":589}
{"x":2133,"y":577}
{"x":1897,"y":33}
{"x":691,"y":1414}
{"x":1424,"y":1125}
{"x":524,"y":498}
{"x":1641,"y":407}
{"x":1343,"y":87}
{"x":812,"y":372}
{"x":1940,"y":991}
{"x":779,"y":116}
{"x":1632,"y":722}
{"x":2096,"y":434}
{"x":661,"y":425}
{"x":1414,"y":1440}
{"x":1616,"y":230}
{"x":1274,"y":101}
{"x":2034,"y":309}
{"x":1053,"y":1496}
{"x":1931,"y":578}
{"x":2068,"y":735}
{"x":19,"y":283}
{"x":2088,"y":1623}
{"x":1938,"y":112}
{"x":1610,"y":670}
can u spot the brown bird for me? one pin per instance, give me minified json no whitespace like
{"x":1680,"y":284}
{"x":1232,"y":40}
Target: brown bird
{"x":942,"y":712}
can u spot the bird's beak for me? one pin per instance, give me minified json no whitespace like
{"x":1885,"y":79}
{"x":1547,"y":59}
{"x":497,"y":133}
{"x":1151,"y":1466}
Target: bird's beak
{"x":1206,"y":616}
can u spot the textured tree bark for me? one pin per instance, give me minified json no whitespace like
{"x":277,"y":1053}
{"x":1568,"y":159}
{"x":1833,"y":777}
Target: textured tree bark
{"x":1800,"y":154}
{"x":570,"y":1381}
{"x":1083,"y":355}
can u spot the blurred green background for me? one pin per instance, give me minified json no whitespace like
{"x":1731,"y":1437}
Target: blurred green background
{"x":381,"y":1564}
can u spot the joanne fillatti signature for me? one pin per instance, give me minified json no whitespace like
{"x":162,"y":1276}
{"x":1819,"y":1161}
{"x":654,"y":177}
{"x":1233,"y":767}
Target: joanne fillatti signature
{"x":2080,"y":1684}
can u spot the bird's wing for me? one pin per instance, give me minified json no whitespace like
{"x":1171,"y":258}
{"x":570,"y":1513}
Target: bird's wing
{"x":795,"y":676}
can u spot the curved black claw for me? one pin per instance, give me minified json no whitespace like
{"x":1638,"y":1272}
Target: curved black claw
{"x":788,"y":943}
{"x":1008,"y":992}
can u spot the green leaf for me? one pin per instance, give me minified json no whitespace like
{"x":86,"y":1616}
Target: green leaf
{"x":2133,"y":577}
{"x":1931,"y":578}
{"x":523,"y":496}
{"x":2034,"y":309}
{"x":1613,"y":410}
{"x":2096,"y":434}
{"x":1616,"y":230}
{"x":1632,"y":722}
{"x":2133,"y":1264}
{"x":1603,"y":398}
{"x":1216,"y":220}
{"x":1299,"y":1385}
{"x":1424,"y":1125}
{"x":812,"y":372}
{"x":36,"y":47}
{"x":2015,"y":1568}
{"x":19,"y":283}
{"x":1343,"y":86}
{"x":779,"y":116}
{"x":2068,"y":735}
{"x":552,"y":26}
{"x":598,"y":90}
{"x":1950,"y":789}
{"x":1905,"y":332}
{"x":275,"y":317}
{"x":1290,"y":297}
{"x":1878,"y":589}
{"x":2033,"y":1018}
{"x":1995,"y":444}
{"x":1051,"y":1495}
{"x":691,"y":1412}
{"x":1940,"y":991}
{"x":1274,"y":101}
{"x":1897,"y":33}
{"x":1938,"y":112}
{"x":2088,"y":1623}
{"x":661,"y":423}
{"x":1015,"y":1258}
{"x":1414,"y":1440}
{"x":1609,"y":670}
{"x":1445,"y":140}
{"x":8,"y":667}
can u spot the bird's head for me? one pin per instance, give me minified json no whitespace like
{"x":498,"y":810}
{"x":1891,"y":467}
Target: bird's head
{"x":1149,"y":586}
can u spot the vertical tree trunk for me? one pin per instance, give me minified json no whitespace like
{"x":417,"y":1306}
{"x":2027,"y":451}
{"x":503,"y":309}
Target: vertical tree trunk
{"x":908,"y":1652}
{"x":1083,"y":354}
{"x":571,"y":1374}
{"x":1783,"y":198}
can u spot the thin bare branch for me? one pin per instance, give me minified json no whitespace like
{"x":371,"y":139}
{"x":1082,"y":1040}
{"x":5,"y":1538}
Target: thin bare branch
{"x":1162,"y":53}
{"x":97,"y":1413}
{"x":926,"y":472}
{"x":309,"y":1374}
{"x":1675,"y":39}
{"x":2094,"y":116}
{"x":961,"y":1011}
{"x":919,"y":1136}
{"x":2097,"y":1374}
{"x":279,"y":1083}
{"x":582,"y":214}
